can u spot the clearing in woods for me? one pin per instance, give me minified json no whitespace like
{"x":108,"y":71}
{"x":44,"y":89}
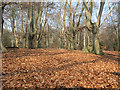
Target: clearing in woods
{"x":51,"y":68}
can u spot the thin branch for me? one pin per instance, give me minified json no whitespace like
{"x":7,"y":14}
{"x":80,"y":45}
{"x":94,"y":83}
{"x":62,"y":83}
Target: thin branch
{"x":85,"y":5}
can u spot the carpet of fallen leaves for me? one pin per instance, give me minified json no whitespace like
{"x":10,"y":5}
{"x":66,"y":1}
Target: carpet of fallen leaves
{"x":52,"y":68}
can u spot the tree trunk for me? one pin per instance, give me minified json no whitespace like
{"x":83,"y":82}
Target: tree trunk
{"x":84,"y":43}
{"x":12,"y":41}
{"x":65,"y":29}
{"x":74,"y":25}
{"x":34,"y":41}
{"x":14,"y":36}
{"x":96,"y":42}
{"x":33,"y":33}
{"x":61,"y":39}
{"x":96,"y":46}
{"x":48,"y":36}
{"x":80,"y":41}
{"x":73,"y":40}
{"x":16,"y":41}
{"x":36,"y":25}
{"x":119,"y":30}
{"x":1,"y":29}
{"x":32,"y":28}
{"x":61,"y":30}
{"x":27,"y":35}
{"x":1,"y":44}
{"x":70,"y":21}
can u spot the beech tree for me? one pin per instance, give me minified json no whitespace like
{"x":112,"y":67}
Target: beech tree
{"x":94,"y":26}
{"x":12,"y":19}
{"x":2,"y":7}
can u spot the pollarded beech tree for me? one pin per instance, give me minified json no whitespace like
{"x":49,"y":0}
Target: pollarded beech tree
{"x":94,"y":27}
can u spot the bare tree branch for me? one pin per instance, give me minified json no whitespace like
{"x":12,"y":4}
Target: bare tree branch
{"x":106,"y":16}
{"x":100,"y":13}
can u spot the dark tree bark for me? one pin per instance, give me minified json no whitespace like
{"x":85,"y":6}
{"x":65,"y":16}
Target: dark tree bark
{"x":2,"y":6}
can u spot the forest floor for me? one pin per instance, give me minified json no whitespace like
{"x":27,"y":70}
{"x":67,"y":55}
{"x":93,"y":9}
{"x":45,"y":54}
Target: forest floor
{"x":52,"y":68}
